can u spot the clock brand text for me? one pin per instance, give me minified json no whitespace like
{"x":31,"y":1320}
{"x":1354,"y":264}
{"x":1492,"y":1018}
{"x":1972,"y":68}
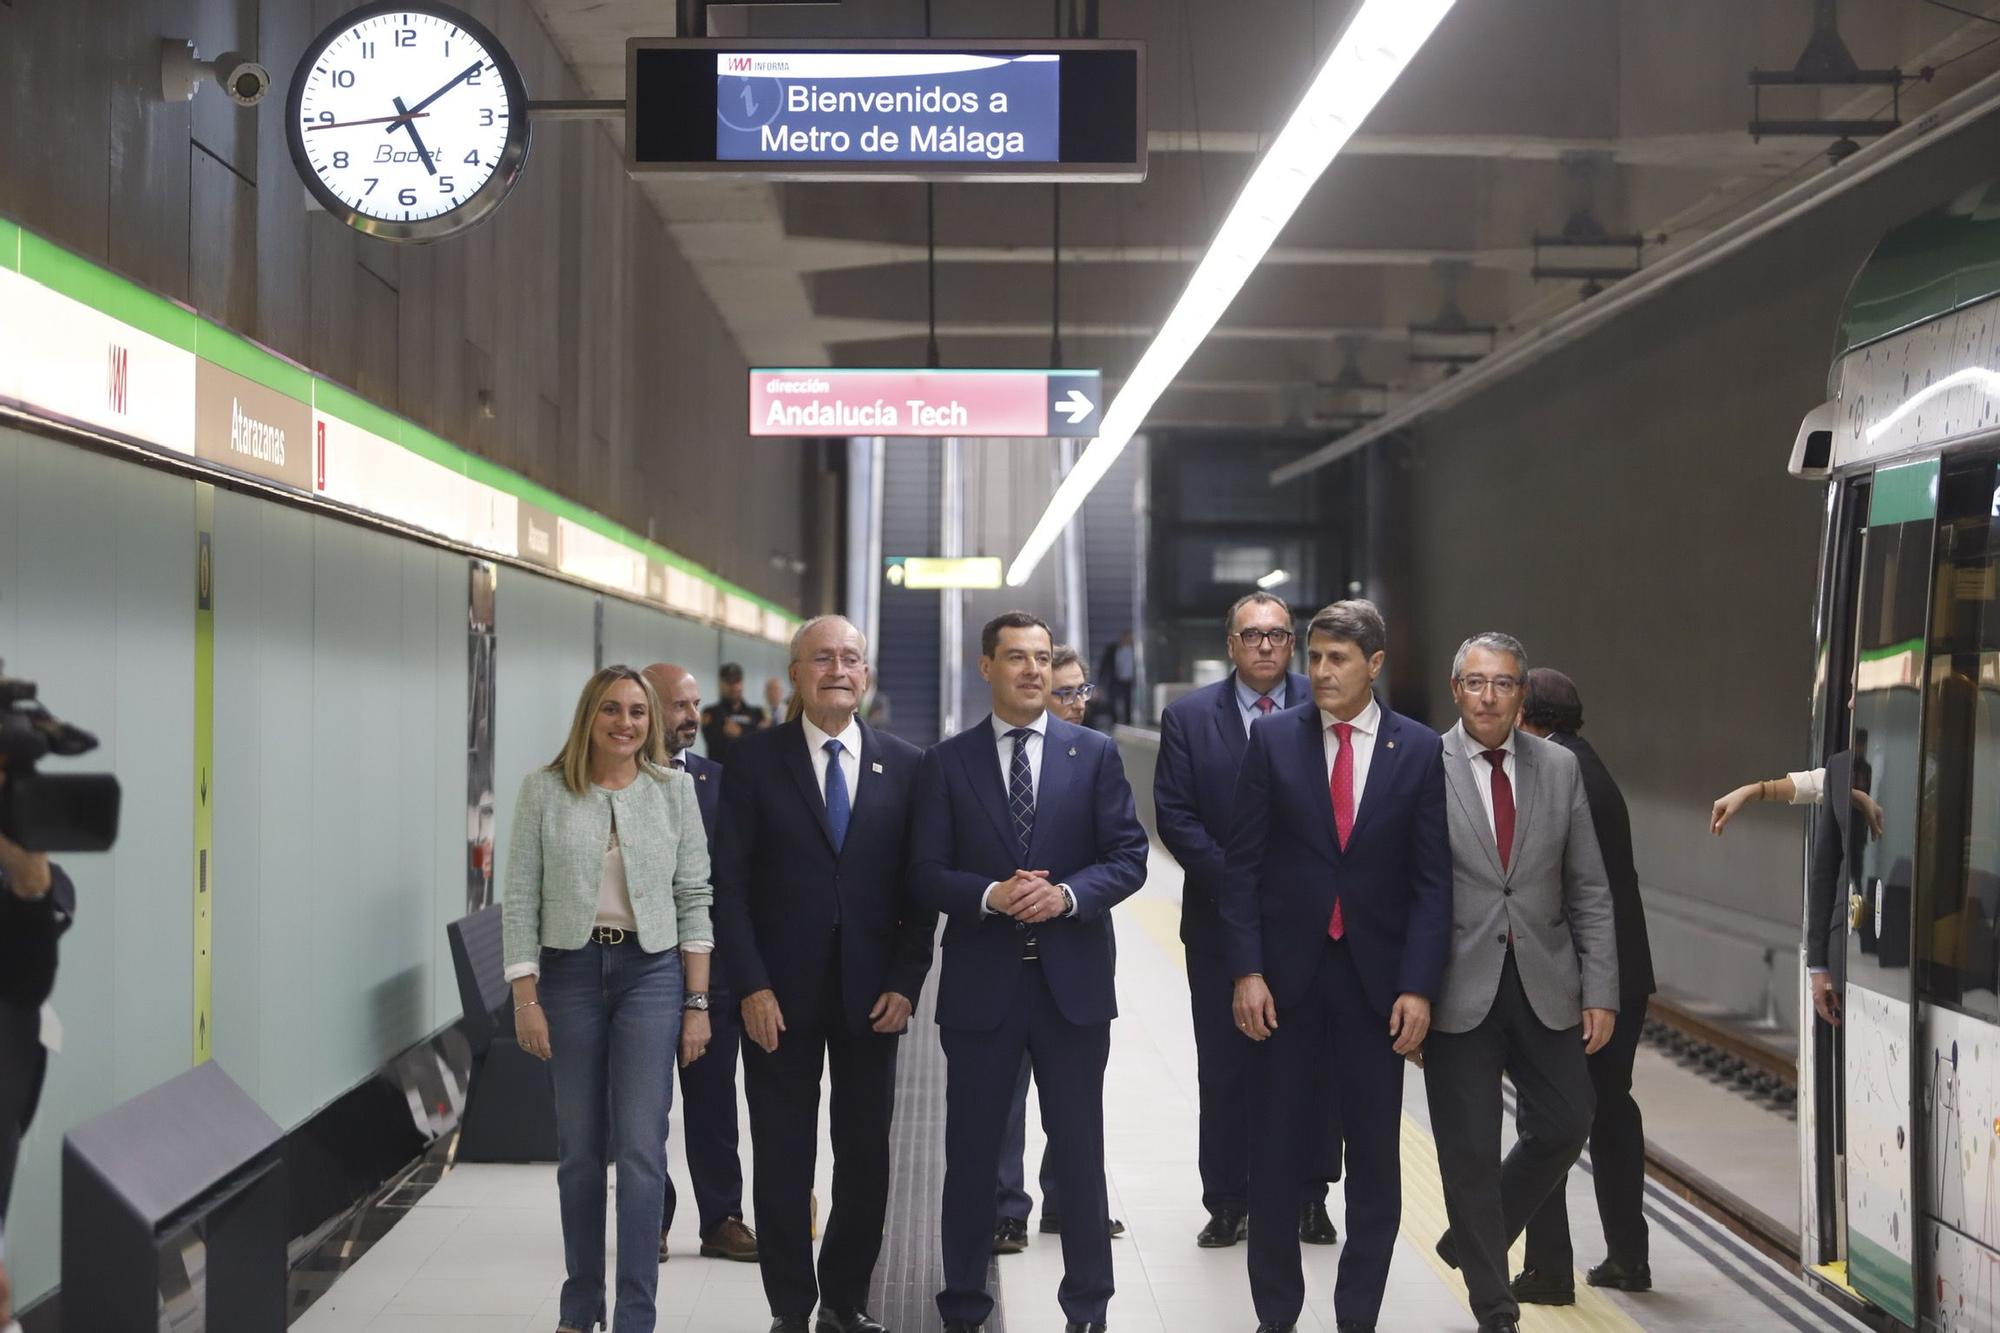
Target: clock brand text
{"x":258,"y":439}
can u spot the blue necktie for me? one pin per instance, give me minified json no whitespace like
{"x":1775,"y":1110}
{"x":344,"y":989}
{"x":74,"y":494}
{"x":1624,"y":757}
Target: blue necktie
{"x":1021,"y":790}
{"x":837,"y":807}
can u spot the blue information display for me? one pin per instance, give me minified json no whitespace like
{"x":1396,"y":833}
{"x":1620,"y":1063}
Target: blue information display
{"x":880,"y":106}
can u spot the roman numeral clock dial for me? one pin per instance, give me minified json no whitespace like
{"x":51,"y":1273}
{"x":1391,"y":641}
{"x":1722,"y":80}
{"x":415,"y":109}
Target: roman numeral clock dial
{"x":408,"y":121}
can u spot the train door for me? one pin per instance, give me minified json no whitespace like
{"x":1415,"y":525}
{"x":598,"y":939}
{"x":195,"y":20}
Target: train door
{"x":1879,"y":1076}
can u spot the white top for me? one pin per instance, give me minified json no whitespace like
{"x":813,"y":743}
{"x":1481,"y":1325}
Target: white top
{"x":1808,"y":787}
{"x":1367,"y":724}
{"x":614,"y":899}
{"x":1482,"y":771}
{"x":1004,"y":745}
{"x":850,"y":754}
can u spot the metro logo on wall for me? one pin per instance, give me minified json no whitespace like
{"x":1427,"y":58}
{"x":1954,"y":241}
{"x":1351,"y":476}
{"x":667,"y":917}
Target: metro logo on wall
{"x":121,"y":378}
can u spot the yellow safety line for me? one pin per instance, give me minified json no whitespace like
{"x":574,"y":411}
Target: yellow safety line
{"x":1836,"y":1273}
{"x":1423,"y":1188}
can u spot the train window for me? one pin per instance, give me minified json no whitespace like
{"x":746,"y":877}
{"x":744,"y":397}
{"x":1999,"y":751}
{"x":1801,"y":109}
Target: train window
{"x":1958,"y":899}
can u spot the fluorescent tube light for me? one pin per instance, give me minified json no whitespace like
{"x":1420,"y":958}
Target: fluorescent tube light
{"x":1381,"y":41}
{"x":1273,"y":579}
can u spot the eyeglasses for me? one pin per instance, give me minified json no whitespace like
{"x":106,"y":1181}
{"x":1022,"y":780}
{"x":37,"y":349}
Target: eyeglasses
{"x":1500,"y":685}
{"x":826,"y":661}
{"x":1072,"y":693}
{"x":1255,"y":638}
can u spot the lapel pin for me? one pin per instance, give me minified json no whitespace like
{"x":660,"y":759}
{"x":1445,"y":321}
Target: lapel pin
{"x":1390,"y":744}
{"x":701,"y":777}
{"x":875,"y":768}
{"x":1072,"y":752}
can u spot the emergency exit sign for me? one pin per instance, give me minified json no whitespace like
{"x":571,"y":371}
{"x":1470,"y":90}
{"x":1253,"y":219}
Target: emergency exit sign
{"x":1033,"y":404}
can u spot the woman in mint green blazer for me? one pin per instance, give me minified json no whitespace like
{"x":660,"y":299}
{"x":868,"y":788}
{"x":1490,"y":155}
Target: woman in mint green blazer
{"x":607,"y":943}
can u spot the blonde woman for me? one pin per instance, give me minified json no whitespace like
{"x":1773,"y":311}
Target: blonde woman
{"x":607,"y":943}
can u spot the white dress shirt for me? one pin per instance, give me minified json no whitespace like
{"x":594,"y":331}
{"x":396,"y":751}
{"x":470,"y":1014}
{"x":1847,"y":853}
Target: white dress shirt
{"x":1367,"y":724}
{"x":850,"y":755}
{"x":1004,"y":747}
{"x":1482,"y":772}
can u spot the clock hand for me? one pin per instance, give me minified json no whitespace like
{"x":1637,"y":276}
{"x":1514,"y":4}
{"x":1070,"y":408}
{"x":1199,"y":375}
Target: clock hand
{"x":415,"y":138}
{"x":373,"y":120}
{"x":461,"y":77}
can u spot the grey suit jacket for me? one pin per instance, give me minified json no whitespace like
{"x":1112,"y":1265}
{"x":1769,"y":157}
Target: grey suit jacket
{"x":1553,"y":896}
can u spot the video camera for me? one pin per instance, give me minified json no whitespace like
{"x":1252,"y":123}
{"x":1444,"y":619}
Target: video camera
{"x":50,"y":812}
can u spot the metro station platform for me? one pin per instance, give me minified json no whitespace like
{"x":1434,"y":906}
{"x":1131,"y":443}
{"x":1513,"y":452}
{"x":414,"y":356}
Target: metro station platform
{"x":480,"y":1250}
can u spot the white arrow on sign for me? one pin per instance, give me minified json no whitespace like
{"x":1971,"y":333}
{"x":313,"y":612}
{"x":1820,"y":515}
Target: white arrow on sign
{"x":1076,"y":407}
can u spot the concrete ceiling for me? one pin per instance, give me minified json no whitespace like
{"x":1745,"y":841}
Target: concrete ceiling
{"x":1518,"y":117}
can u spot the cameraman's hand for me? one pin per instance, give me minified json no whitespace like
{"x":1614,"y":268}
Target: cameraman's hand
{"x":27,"y":875}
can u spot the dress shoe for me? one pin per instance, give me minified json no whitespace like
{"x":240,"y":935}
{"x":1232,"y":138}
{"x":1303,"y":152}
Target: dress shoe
{"x":1447,"y":1250}
{"x":1500,"y":1323}
{"x":1315,"y":1227}
{"x":848,"y":1321}
{"x":789,"y":1323}
{"x":1010,"y":1235}
{"x":727,"y":1239}
{"x":1224,"y":1229}
{"x":960,"y":1326}
{"x":1073,"y":1327}
{"x":1624,"y":1277}
{"x":1052,"y":1226}
{"x":1534,"y":1287}
{"x":1268,"y":1327}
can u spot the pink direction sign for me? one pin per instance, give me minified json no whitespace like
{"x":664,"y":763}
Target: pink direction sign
{"x":1034,"y":404}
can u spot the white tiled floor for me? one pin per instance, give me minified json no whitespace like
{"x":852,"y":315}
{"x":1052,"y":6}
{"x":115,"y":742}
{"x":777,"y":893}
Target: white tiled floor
{"x":482,"y":1253}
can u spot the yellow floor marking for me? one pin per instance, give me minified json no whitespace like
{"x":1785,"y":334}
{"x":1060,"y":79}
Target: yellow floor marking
{"x":1836,"y":1273}
{"x":1423,"y":1188}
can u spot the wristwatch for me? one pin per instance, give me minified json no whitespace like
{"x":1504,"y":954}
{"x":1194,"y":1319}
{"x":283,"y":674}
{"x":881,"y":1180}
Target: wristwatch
{"x":695,"y":999}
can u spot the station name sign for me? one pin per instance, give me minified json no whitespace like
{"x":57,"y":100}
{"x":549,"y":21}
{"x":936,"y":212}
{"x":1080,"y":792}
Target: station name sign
{"x":1033,"y":404}
{"x":795,"y":109}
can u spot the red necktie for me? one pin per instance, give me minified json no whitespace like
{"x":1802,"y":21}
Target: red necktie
{"x":1341,"y":786}
{"x":1503,"y":804}
{"x":1264,"y":704}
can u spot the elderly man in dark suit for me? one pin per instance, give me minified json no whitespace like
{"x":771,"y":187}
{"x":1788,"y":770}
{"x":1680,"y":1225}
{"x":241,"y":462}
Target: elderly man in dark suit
{"x":1532,"y":988}
{"x":1552,"y":709}
{"x":1025,"y":838}
{"x":827,"y":950}
{"x":708,"y":1086}
{"x":1336,"y":920}
{"x":1202,"y":738}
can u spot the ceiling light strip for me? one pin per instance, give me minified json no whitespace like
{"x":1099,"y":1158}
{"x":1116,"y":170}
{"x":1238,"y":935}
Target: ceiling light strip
{"x":1369,"y":57}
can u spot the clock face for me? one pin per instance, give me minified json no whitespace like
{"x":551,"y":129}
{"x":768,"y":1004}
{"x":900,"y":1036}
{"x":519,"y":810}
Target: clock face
{"x":408,"y":121}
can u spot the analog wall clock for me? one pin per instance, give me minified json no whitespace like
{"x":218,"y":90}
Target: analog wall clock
{"x":407,"y":121}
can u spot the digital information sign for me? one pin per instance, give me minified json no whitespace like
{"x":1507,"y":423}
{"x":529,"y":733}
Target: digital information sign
{"x":915,"y":110}
{"x":1029,"y":404}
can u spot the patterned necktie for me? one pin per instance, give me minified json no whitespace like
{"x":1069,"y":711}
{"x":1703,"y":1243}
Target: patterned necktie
{"x":1341,"y":786}
{"x":678,"y":764}
{"x":1021,"y":790}
{"x":1503,"y":804}
{"x":837,"y":806}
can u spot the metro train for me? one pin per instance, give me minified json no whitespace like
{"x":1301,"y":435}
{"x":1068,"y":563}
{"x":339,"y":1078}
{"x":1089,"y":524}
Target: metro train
{"x":1899,"y":1112}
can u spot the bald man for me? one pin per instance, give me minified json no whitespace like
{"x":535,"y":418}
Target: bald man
{"x":708,"y":1086}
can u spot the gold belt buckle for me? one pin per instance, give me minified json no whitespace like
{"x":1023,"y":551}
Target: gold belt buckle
{"x":608,"y":934}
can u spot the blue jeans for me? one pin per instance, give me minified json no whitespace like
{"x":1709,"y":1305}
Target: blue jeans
{"x":614,"y":1016}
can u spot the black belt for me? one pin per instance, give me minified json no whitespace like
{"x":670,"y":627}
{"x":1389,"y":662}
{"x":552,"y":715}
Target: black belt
{"x":612,"y":935}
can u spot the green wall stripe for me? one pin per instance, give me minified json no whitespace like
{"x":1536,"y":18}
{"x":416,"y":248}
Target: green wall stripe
{"x":232,"y":351}
{"x":1905,"y":494}
{"x":1892,"y":650}
{"x":355,"y":410}
{"x":105,"y":292}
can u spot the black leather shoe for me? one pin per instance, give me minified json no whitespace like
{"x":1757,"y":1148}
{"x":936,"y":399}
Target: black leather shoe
{"x":1268,"y":1327}
{"x":1052,"y":1226}
{"x":1447,"y":1251}
{"x":1623,"y":1277}
{"x":1223,"y":1230}
{"x":1073,"y":1327}
{"x":960,"y":1326}
{"x":1010,"y":1235}
{"x":1500,"y":1323}
{"x":789,"y":1323}
{"x":848,"y":1321}
{"x":1352,"y":1326}
{"x":1315,"y":1227}
{"x":1534,"y":1287}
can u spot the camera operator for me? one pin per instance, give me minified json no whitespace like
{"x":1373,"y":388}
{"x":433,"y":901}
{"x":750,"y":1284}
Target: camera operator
{"x":36,"y":903}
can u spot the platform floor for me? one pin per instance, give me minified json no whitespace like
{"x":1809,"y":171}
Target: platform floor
{"x":481,"y":1251}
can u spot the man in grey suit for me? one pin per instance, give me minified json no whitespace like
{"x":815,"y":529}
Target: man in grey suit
{"x":1532,"y":985}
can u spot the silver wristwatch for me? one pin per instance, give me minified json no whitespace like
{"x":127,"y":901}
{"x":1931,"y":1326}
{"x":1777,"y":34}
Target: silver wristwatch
{"x":695,"y":999}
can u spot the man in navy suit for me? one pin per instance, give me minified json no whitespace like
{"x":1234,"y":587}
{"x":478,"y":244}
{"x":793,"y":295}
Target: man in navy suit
{"x":1025,"y":837}
{"x":819,"y":936}
{"x":1202,"y":738}
{"x":1336,"y":916}
{"x":708,"y":1086}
